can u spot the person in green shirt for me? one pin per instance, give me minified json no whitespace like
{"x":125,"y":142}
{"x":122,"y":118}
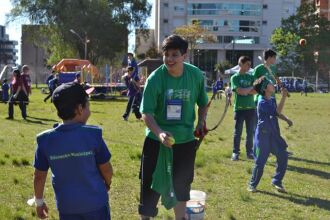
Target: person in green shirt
{"x":244,"y":107}
{"x":168,"y":109}
{"x":267,"y":69}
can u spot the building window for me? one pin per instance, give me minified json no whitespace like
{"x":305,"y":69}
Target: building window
{"x":165,"y":4}
{"x":165,"y":20}
{"x":264,"y":22}
{"x":265,"y":6}
{"x":228,"y":39}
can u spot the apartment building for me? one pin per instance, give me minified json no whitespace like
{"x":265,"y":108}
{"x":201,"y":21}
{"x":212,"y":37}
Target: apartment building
{"x":8,"y":51}
{"x":241,"y":27}
{"x":33,"y":55}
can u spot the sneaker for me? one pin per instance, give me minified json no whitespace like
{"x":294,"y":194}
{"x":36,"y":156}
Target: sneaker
{"x":250,"y":156}
{"x":251,"y":188}
{"x":125,"y":118}
{"x":234,"y":157}
{"x":279,"y":187}
{"x":10,"y":118}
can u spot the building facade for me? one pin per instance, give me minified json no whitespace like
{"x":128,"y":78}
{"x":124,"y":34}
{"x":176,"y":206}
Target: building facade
{"x":33,"y":55}
{"x":8,"y":51}
{"x":241,"y":27}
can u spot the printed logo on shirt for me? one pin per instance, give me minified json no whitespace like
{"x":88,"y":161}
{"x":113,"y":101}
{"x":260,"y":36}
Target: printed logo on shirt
{"x":182,"y":94}
{"x":245,"y":83}
{"x":71,"y":155}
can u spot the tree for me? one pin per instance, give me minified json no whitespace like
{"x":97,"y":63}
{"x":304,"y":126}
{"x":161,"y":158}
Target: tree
{"x":305,"y":24}
{"x":105,"y":23}
{"x":194,"y":34}
{"x":153,"y":52}
{"x":219,"y":69}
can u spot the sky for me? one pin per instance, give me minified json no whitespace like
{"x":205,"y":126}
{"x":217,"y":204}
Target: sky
{"x":13,"y":29}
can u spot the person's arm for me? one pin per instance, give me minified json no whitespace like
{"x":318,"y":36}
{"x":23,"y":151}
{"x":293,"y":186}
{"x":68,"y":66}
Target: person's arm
{"x":245,"y":91}
{"x":106,"y":172}
{"x":151,"y":123}
{"x":202,"y":111}
{"x":285,"y":118}
{"x":39,"y":185}
{"x":280,"y":106}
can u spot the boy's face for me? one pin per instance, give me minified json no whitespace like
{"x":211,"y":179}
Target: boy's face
{"x":270,"y":88}
{"x":173,"y":59}
{"x":245,"y":66}
{"x":272,"y":60}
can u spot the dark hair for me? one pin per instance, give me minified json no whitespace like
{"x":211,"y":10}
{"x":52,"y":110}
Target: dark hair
{"x":268,"y":53}
{"x":257,"y":85}
{"x":67,"y":111}
{"x":175,"y":42}
{"x":243,"y":60}
{"x":130,"y":54}
{"x":130,"y":68}
{"x":5,"y":80}
{"x":18,"y":73}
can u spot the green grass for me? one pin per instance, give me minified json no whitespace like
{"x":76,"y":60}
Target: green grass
{"x":224,"y":181}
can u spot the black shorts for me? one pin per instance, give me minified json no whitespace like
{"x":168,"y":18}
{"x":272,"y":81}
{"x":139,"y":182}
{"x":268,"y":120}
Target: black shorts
{"x":183,"y":173}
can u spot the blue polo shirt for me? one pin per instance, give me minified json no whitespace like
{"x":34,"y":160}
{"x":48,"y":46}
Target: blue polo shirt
{"x":268,"y":131}
{"x":73,"y":153}
{"x":133,"y":63}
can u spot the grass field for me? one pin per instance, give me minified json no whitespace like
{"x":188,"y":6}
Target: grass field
{"x":307,"y":179}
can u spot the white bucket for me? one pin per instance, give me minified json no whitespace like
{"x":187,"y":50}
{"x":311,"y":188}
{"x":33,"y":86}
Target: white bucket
{"x":196,"y":205}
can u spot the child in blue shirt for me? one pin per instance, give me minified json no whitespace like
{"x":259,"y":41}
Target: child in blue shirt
{"x":267,"y":137}
{"x":78,"y":158}
{"x":5,"y":90}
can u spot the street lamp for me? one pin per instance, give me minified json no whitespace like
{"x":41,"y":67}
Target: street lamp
{"x":316,"y":58}
{"x":84,"y":41}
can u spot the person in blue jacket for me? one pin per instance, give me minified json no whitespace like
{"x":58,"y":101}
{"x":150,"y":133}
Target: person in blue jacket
{"x":78,"y":158}
{"x":5,"y":90}
{"x":267,"y":137}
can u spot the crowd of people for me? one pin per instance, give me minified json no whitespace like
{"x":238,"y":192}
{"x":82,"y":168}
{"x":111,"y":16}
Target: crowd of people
{"x":80,"y":160}
{"x":17,"y":91}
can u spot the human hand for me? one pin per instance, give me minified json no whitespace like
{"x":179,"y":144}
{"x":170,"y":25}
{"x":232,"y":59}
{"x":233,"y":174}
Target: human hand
{"x":284,"y":92}
{"x":108,"y":186}
{"x":42,"y":211}
{"x":200,"y":130}
{"x":166,"y":138}
{"x":15,"y":95}
{"x":290,"y":123}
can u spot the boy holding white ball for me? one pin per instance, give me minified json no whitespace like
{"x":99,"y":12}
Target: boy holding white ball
{"x":168,"y":109}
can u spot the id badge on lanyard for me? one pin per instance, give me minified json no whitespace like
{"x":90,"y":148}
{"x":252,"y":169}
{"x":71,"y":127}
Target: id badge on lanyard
{"x":174,"y":109}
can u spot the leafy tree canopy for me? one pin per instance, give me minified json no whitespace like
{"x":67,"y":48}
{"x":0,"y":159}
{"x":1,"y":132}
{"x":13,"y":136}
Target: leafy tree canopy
{"x":194,"y":34}
{"x":309,"y":25}
{"x":105,"y":23}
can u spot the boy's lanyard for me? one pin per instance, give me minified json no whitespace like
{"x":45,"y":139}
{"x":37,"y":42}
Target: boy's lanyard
{"x":174,"y":106}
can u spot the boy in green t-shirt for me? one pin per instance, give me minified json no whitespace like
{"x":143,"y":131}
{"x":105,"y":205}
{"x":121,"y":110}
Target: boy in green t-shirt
{"x":267,"y":69}
{"x":244,"y":107}
{"x":168,"y":109}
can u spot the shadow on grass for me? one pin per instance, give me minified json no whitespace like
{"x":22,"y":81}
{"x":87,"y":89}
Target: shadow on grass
{"x":319,"y":173}
{"x":309,"y":161}
{"x":42,"y":119}
{"x":301,"y":200}
{"x":35,"y":121}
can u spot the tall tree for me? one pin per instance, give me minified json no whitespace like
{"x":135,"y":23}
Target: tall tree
{"x":105,"y":23}
{"x":194,"y":34}
{"x":309,"y":25}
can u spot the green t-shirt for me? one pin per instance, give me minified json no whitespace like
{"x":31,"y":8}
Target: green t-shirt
{"x":162,"y":88}
{"x":260,"y":71}
{"x":242,"y":102}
